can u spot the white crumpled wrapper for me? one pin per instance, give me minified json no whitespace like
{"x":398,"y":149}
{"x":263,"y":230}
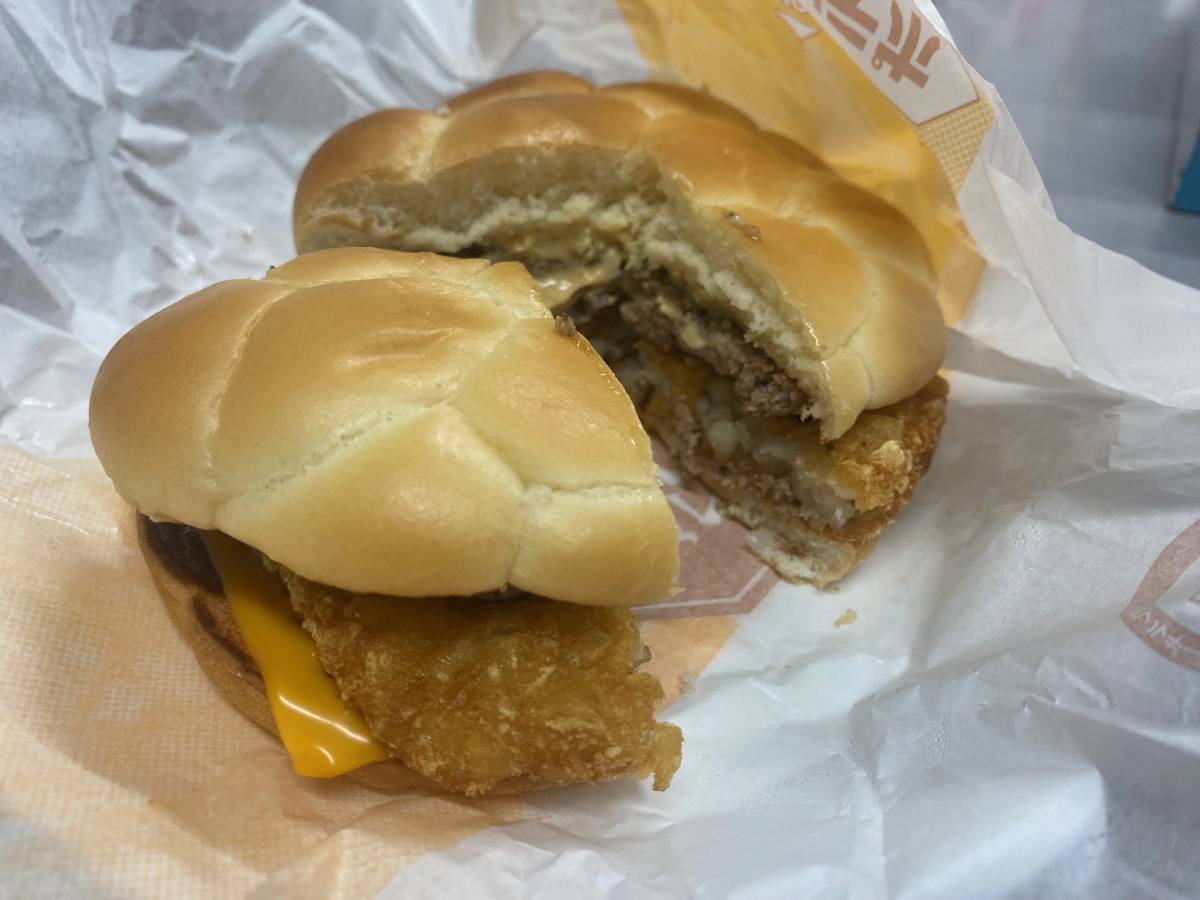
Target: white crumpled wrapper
{"x":991,"y":724}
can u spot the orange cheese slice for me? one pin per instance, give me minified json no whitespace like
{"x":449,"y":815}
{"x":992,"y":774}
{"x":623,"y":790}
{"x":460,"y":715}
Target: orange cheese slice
{"x":322,"y":733}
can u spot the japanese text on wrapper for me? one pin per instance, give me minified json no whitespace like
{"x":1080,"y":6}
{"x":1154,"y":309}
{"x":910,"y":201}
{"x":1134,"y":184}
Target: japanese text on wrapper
{"x":905,"y":51}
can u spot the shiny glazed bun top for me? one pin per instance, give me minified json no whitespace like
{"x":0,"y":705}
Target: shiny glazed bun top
{"x":393,"y":423}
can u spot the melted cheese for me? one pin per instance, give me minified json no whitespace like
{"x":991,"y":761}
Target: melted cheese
{"x":558,"y":286}
{"x":323,"y":735}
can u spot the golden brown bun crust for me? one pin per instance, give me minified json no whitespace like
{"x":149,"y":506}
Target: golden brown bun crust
{"x":390,"y":423}
{"x":202,"y":616}
{"x":831,"y":281}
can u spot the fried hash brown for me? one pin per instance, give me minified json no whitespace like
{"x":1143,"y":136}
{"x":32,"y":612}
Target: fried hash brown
{"x":472,"y":692}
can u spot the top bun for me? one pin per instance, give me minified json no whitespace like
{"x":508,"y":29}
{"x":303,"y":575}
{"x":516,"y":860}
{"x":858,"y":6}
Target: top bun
{"x":393,"y":423}
{"x":829,"y":280}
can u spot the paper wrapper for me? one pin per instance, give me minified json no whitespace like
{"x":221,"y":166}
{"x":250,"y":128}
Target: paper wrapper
{"x":1003,"y":701}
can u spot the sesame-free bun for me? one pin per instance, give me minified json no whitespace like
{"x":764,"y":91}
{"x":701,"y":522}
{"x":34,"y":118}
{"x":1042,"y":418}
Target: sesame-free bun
{"x":391,"y":423}
{"x":832,"y":282}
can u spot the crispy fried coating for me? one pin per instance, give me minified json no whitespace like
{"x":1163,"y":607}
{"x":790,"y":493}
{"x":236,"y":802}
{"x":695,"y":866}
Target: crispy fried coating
{"x":478,"y":692}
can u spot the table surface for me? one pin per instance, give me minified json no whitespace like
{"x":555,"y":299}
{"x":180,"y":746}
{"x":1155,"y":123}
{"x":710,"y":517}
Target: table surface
{"x":1095,"y":87}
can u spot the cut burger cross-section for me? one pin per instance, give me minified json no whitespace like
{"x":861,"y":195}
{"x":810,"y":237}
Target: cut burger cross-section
{"x":777,"y":327}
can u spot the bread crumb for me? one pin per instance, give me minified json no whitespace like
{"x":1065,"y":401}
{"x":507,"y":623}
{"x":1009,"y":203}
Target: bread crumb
{"x":564,"y":326}
{"x":687,"y":683}
{"x":442,"y":112}
{"x":849,"y":617}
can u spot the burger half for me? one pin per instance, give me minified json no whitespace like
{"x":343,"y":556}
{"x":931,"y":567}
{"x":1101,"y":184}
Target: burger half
{"x":777,"y":326}
{"x":400,"y":514}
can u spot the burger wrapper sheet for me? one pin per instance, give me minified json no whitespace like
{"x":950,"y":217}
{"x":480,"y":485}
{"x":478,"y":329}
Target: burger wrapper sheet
{"x":1003,"y":701}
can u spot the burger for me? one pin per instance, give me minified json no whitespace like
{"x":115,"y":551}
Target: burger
{"x":777,"y":327}
{"x":400,"y":514}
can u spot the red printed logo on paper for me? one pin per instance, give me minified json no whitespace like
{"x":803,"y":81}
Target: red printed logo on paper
{"x":1165,"y":610}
